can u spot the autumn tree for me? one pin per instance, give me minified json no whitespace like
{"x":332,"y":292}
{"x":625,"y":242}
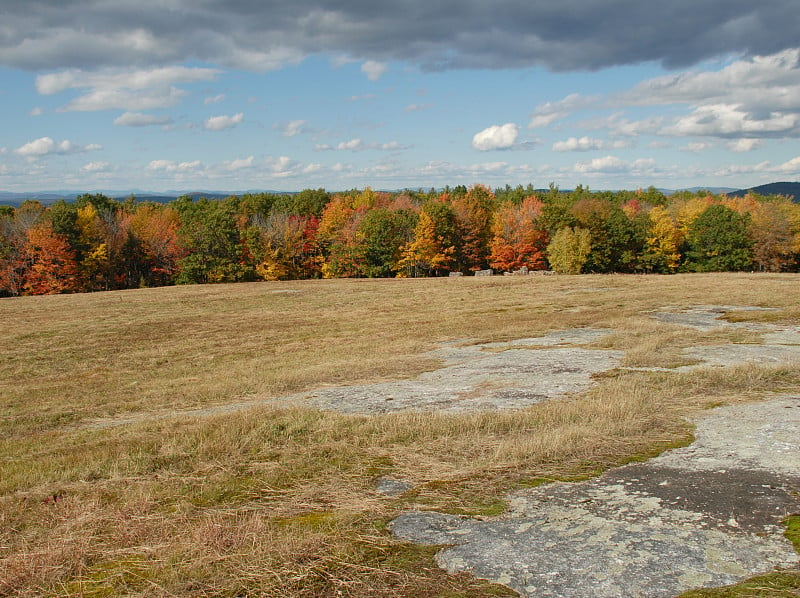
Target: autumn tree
{"x":338,"y":235}
{"x":664,"y":240}
{"x":718,"y":240}
{"x":52,"y":267}
{"x":211,"y":242}
{"x":432,"y":252}
{"x":473,"y":215}
{"x":156,"y":228}
{"x":518,"y":238}
{"x":569,"y":250}
{"x":383,"y":233}
{"x":278,"y":244}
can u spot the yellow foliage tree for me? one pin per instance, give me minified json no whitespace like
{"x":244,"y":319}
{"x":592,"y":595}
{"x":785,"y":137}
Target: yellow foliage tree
{"x":664,"y":239}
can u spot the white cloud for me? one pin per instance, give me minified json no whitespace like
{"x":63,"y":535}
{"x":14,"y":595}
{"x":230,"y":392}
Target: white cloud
{"x":293,"y":127}
{"x":391,"y":146}
{"x":284,"y":167}
{"x":417,"y":107}
{"x":137,"y":119}
{"x":585,"y":144}
{"x":95,"y":167}
{"x":353,"y":145}
{"x":357,"y":145}
{"x":753,"y":98}
{"x":614,"y":165}
{"x":374,"y":70}
{"x":745,"y":145}
{"x":496,"y":137}
{"x":46,"y":145}
{"x":214,"y":100}
{"x":239,"y":164}
{"x":222,"y":122}
{"x":726,"y":120}
{"x":36,"y":112}
{"x":171,"y":166}
{"x":116,"y":89}
{"x":547,"y":113}
{"x":792,"y":166}
{"x":696,"y":147}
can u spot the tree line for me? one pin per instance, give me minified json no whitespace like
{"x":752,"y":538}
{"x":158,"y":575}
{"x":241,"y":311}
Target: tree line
{"x":97,"y":243}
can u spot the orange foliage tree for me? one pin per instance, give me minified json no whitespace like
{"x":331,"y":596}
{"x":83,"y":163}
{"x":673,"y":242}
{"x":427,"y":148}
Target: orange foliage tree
{"x":518,"y":238}
{"x":52,"y":267}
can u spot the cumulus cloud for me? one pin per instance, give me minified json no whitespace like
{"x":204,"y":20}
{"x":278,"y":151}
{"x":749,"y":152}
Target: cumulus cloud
{"x":47,"y":145}
{"x":585,"y":144}
{"x":374,"y":70}
{"x":214,"y":99}
{"x":137,"y":119}
{"x":496,"y":137}
{"x":115,"y":89}
{"x":353,"y":145}
{"x":239,"y":164}
{"x":696,"y":147}
{"x":172,"y":166}
{"x":614,"y":165}
{"x":95,"y":167}
{"x":292,"y":128}
{"x":357,"y":145}
{"x":222,"y":122}
{"x":36,"y":111}
{"x":753,"y":98}
{"x":745,"y":145}
{"x":547,"y":113}
{"x":726,"y":120}
{"x":572,"y":35}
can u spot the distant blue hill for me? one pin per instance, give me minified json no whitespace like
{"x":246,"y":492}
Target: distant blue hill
{"x":786,"y":189}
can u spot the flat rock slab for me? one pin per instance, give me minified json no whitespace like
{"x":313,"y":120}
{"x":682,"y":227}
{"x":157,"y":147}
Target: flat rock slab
{"x":781,"y":344}
{"x":491,"y":376}
{"x":702,"y":516}
{"x":705,"y":317}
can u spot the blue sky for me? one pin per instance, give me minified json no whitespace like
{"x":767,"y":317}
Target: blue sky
{"x":103,"y":95}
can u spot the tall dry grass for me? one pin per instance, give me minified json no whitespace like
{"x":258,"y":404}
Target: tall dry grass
{"x":278,"y":501}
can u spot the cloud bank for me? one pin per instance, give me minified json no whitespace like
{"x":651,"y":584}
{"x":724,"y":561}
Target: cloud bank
{"x":568,"y":35}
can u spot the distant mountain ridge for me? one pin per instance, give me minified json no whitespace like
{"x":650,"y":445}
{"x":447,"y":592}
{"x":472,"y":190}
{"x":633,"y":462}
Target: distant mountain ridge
{"x":788,"y":189}
{"x":783,"y":188}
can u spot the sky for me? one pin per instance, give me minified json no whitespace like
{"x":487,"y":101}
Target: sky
{"x":237,"y":95}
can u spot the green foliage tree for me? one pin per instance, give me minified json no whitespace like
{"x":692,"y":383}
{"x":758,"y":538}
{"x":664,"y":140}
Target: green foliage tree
{"x":569,"y":250}
{"x":718,"y":240}
{"x":210,"y":238}
{"x":383,"y":233}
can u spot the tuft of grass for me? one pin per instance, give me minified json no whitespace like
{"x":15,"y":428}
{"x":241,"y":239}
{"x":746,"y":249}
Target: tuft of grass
{"x":792,"y":533}
{"x":780,"y":584}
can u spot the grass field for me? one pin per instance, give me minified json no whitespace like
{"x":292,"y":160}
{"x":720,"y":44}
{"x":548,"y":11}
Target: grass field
{"x":108,"y":488}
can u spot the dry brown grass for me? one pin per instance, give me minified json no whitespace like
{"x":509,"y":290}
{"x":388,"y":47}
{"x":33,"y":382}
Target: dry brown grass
{"x":281,"y":501}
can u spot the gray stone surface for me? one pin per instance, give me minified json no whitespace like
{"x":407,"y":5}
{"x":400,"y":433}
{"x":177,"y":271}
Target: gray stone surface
{"x":391,"y":486}
{"x":705,"y":317}
{"x":780,"y":344}
{"x":509,"y":375}
{"x":702,"y":516}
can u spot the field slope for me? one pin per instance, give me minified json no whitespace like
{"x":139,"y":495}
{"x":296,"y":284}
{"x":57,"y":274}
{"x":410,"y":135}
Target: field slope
{"x":140,"y":456}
